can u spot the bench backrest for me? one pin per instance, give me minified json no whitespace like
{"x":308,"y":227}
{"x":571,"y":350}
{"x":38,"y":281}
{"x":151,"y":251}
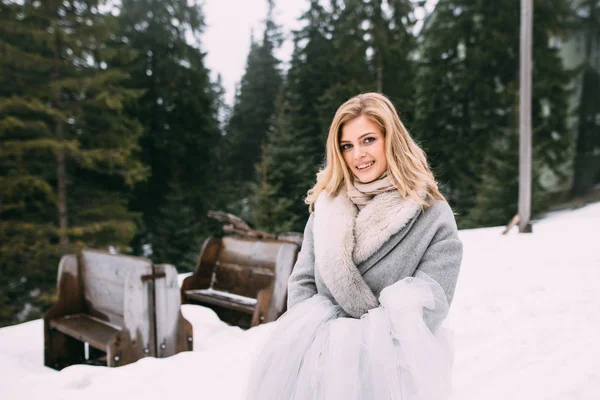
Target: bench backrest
{"x":244,"y":267}
{"x":250,"y":267}
{"x":113,"y":287}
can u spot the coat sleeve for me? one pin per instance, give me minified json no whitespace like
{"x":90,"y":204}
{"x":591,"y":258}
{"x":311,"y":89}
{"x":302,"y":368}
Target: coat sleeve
{"x":442,"y":258}
{"x":301,"y":284}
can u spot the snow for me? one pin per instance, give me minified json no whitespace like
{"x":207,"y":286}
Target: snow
{"x":526,"y":319}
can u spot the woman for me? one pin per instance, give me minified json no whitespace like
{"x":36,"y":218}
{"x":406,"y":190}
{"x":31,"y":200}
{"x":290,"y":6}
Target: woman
{"x":375,"y":275}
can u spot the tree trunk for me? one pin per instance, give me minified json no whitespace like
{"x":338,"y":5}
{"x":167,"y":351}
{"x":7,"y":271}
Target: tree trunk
{"x":61,"y":177}
{"x":380,"y":73}
{"x":525,"y":116}
{"x":61,"y":174}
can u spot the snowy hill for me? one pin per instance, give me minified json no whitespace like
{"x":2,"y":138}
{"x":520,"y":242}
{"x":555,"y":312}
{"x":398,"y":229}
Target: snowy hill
{"x":526,"y":318}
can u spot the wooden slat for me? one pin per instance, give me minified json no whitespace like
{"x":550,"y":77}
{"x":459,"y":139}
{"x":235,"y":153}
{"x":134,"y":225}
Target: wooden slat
{"x":256,"y":269}
{"x":104,"y":299}
{"x":173,"y":332}
{"x":286,"y":259}
{"x":167,"y":311}
{"x":249,"y":252}
{"x":223,"y":299}
{"x":86,"y":329}
{"x":60,"y":349}
{"x":240,"y":280}
{"x":103,"y":276}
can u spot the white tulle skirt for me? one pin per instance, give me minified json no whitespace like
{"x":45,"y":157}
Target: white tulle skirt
{"x":395,"y":351}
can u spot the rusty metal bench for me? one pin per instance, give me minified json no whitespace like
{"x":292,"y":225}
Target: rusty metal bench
{"x":243,"y":279}
{"x":113,"y":310}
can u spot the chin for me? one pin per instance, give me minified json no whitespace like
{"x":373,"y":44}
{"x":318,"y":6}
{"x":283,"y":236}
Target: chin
{"x":367,"y":179}
{"x":373,"y":176}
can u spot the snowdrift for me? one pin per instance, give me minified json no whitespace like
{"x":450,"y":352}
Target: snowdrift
{"x":526,"y":321}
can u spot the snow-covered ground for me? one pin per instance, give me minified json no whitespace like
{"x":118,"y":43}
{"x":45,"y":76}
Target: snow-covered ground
{"x":526,"y":318}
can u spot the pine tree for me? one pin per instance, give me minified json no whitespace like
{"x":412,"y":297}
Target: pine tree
{"x":587,"y":148}
{"x":295,"y":149}
{"x":392,"y":45}
{"x":68,"y":151}
{"x":468,"y":102}
{"x":253,"y":114}
{"x":178,"y":225}
{"x":352,"y":72}
{"x":180,"y":114}
{"x":270,"y":210}
{"x":330,"y":64}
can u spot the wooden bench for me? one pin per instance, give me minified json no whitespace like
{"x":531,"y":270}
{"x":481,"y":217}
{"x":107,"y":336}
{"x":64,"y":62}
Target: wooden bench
{"x":113,"y":310}
{"x":244,"y":280}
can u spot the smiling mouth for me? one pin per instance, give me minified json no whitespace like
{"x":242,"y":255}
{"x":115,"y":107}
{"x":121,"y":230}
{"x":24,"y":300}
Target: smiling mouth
{"x":364,"y":166}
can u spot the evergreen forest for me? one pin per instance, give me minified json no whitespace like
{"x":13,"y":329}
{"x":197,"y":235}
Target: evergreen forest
{"x":115,"y":135}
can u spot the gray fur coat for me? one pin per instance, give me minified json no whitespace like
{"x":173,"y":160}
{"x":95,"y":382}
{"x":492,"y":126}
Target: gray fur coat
{"x":350,"y":255}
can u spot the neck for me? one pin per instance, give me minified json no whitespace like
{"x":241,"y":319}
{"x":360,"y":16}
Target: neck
{"x":362,"y":193}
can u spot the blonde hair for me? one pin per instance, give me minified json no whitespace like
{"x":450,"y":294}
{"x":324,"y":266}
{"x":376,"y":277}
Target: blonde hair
{"x":407,"y":164}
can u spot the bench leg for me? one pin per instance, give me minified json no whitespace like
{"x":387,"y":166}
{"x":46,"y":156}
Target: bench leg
{"x":120,"y":351}
{"x":185,"y":335}
{"x":61,"y":350}
{"x":263,"y":299}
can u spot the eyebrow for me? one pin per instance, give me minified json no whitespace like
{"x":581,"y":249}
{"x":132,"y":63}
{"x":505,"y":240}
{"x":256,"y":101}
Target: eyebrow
{"x":360,"y":137}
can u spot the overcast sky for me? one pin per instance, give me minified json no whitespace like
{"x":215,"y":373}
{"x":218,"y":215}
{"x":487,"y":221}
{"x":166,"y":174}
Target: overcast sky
{"x":227,"y":36}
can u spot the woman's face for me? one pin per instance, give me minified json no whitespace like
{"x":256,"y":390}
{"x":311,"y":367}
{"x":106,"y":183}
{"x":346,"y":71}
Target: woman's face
{"x":363,"y":148}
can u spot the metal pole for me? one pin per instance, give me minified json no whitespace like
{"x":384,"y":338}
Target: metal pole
{"x":525,"y":117}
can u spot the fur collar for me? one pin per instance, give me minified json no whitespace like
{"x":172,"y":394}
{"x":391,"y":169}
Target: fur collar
{"x":344,"y":237}
{"x":383,"y":217}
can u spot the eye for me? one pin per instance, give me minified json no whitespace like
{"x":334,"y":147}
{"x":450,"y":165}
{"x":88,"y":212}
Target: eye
{"x":345,"y":147}
{"x":370,"y":139}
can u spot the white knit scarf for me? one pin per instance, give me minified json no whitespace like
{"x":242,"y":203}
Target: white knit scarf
{"x":362,"y":193}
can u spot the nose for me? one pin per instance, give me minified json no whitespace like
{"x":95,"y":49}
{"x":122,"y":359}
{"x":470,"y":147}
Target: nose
{"x":359,"y":153}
